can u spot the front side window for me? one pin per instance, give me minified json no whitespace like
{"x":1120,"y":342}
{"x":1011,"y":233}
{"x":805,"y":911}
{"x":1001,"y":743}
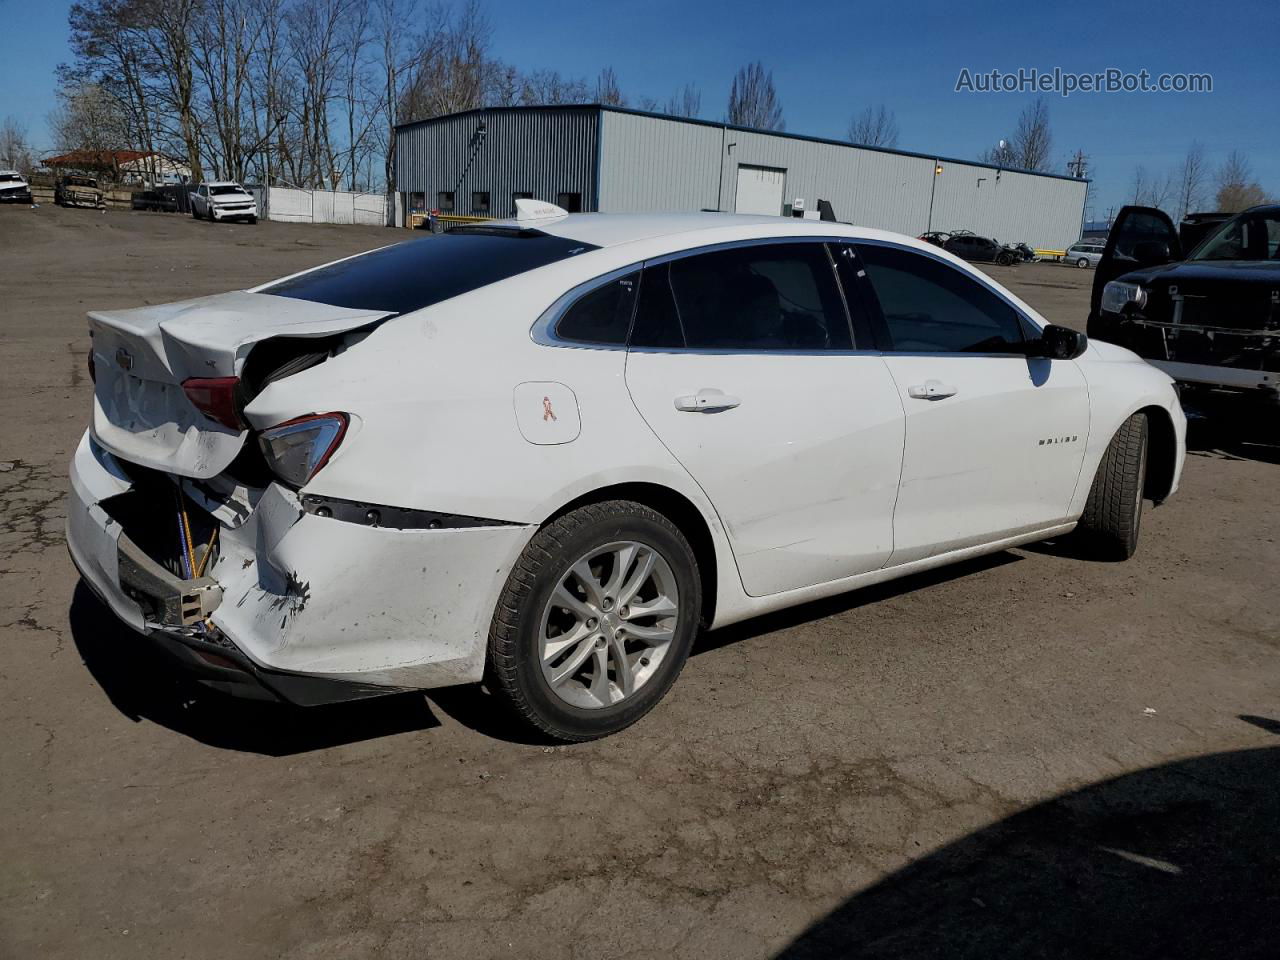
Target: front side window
{"x":931,"y":307}
{"x":603,"y":315}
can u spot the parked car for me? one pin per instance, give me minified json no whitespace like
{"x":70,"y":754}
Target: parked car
{"x":14,"y":187}
{"x":223,"y":200}
{"x":154,"y":200}
{"x":76,"y":190}
{"x":1210,"y":320}
{"x":968,"y":246}
{"x":936,"y":237}
{"x":319,"y":489}
{"x":1025,"y":252}
{"x":1084,"y":254}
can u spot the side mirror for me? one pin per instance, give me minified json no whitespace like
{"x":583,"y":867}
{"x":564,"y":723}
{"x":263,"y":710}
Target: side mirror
{"x":1060,"y":343}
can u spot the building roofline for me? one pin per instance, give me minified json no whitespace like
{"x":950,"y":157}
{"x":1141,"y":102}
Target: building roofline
{"x":601,"y":107}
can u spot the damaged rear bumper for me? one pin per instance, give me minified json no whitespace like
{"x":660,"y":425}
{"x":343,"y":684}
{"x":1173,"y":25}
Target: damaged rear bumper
{"x":299,"y":606}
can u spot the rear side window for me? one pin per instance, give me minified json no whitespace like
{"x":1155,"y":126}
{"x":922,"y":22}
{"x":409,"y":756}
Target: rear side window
{"x":931,"y":307}
{"x":759,"y":297}
{"x":602,"y":315}
{"x":425,"y":271}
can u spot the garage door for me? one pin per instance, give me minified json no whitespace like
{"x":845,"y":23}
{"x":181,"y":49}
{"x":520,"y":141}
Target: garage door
{"x":760,"y":190}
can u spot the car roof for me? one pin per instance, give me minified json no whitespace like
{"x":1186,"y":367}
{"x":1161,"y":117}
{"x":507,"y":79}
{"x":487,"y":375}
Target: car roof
{"x":612,"y":229}
{"x":221,"y":183}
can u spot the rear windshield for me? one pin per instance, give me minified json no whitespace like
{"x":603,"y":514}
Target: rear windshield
{"x":7,"y":177}
{"x":421,"y":272}
{"x":218,"y":191}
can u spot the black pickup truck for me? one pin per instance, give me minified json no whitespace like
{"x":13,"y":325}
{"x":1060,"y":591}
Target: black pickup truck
{"x":1211,"y":318}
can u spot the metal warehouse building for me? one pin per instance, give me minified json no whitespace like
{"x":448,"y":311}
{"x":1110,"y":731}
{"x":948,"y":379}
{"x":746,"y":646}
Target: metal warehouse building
{"x":609,"y":159}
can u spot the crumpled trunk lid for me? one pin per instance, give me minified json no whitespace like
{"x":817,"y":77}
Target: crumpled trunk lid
{"x":143,"y":355}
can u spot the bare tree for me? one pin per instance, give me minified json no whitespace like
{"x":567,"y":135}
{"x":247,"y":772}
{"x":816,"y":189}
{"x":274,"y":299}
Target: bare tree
{"x":15,"y":149}
{"x":1237,"y":190}
{"x":753,"y":101}
{"x":1032,"y":140}
{"x":390,"y":17}
{"x":450,"y":70}
{"x":685,"y":102}
{"x":1153,"y":190}
{"x":88,"y":118}
{"x":1191,"y":183}
{"x":608,"y":91}
{"x":874,"y":127}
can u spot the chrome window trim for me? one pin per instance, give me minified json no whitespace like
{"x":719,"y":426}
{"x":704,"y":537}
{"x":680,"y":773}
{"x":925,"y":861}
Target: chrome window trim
{"x":543,"y":331}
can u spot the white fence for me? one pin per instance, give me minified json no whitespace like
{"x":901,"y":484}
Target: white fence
{"x":321,"y":206}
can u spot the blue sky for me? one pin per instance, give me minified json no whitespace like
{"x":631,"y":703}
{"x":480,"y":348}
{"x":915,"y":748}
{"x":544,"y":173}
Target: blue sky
{"x":829,"y":59}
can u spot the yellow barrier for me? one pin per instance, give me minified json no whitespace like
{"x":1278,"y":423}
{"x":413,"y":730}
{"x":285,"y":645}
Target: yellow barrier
{"x":418,"y":221}
{"x":1051,"y":253}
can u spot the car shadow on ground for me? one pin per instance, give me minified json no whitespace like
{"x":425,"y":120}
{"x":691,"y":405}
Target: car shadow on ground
{"x":844,"y":602}
{"x":1234,"y":439}
{"x":143,"y":684}
{"x":1175,"y":861}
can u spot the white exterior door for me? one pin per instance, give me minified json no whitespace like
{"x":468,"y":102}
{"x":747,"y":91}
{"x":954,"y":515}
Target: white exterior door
{"x":751,"y":384}
{"x":994,"y":439}
{"x":998,"y":457}
{"x":760,"y":190}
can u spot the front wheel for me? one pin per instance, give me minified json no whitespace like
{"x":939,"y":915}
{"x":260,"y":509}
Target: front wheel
{"x":1083,"y":263}
{"x":595,"y":621}
{"x":1113,"y":513}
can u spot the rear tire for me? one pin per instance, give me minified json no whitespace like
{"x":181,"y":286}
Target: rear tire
{"x":1112,"y":516}
{"x":532,"y":650}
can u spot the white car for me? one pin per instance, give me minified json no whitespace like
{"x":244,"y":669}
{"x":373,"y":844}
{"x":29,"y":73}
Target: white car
{"x":223,"y":200}
{"x":14,"y":187}
{"x":542,"y":452}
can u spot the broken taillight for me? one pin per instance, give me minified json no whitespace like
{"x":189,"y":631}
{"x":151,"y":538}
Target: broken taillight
{"x":216,"y":398}
{"x":296,"y":449}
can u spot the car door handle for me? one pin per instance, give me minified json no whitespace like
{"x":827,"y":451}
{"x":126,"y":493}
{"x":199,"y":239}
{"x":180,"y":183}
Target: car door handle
{"x":931,"y":390}
{"x":706,"y":400}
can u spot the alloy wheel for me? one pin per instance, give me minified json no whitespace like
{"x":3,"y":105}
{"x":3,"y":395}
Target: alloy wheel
{"x":608,"y":624}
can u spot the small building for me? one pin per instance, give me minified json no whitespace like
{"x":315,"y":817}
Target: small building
{"x":610,"y":159}
{"x":148,"y":168}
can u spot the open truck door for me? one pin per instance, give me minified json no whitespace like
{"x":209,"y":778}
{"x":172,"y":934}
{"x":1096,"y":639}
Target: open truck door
{"x":1140,"y":237}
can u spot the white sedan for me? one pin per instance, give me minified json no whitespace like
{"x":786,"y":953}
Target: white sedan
{"x":542,"y":453}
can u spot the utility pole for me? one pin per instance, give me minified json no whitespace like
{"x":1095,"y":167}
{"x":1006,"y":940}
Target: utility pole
{"x":1078,"y":165}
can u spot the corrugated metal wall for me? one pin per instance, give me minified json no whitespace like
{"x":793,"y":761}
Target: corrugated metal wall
{"x":541,"y":151}
{"x":654,"y":163}
{"x":651,"y":163}
{"x":1009,"y":206}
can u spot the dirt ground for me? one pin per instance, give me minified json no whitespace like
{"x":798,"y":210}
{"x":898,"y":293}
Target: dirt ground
{"x":1027,"y":755}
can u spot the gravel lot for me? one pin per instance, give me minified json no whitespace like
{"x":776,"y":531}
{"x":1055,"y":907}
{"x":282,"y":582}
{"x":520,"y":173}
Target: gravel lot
{"x":1028,"y":755}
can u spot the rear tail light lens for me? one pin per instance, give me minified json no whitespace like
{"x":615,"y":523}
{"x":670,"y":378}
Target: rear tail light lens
{"x":216,"y":398}
{"x":296,"y":449}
